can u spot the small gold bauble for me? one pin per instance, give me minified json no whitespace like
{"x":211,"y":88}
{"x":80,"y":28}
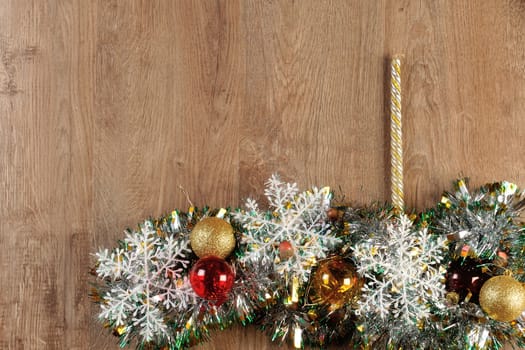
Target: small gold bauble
{"x":335,"y":283}
{"x":502,"y":298}
{"x":212,"y":236}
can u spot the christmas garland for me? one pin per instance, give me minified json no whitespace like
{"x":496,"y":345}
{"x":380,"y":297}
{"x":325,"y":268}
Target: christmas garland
{"x":314,"y":273}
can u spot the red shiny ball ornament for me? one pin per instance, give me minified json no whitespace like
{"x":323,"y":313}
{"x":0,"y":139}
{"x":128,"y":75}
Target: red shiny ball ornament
{"x":286,"y":250}
{"x":212,"y":278}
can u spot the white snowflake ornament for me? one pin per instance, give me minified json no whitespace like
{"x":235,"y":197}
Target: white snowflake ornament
{"x":293,"y":234}
{"x":403,"y":272}
{"x":146,"y":273}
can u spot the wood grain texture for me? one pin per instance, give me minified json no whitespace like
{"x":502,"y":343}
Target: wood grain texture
{"x":46,"y":128}
{"x":107,"y":107}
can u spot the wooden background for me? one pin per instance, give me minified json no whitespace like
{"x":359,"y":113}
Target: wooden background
{"x":106,"y":107}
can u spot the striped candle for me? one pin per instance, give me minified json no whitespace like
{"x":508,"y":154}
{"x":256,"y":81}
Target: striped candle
{"x":396,"y":135}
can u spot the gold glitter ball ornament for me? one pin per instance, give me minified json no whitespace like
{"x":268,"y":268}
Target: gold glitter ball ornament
{"x":502,"y":298}
{"x":335,"y":283}
{"x":212,"y":236}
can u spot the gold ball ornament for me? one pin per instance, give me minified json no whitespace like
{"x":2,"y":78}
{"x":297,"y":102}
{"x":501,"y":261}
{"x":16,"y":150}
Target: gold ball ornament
{"x":502,"y":298}
{"x":335,"y":283}
{"x":212,"y":236}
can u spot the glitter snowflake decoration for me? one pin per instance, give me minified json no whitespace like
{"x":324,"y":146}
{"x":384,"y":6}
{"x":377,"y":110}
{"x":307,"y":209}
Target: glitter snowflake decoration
{"x":404,"y":277}
{"x":296,"y":219}
{"x":145,"y":280}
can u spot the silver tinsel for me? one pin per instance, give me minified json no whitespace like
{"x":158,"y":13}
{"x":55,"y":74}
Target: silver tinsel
{"x":482,"y":222}
{"x":483,"y":227}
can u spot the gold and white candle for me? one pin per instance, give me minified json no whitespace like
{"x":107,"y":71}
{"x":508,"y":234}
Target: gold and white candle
{"x":396,"y":134}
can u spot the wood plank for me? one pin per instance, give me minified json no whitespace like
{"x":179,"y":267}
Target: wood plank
{"x":45,"y":101}
{"x":314,"y":110}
